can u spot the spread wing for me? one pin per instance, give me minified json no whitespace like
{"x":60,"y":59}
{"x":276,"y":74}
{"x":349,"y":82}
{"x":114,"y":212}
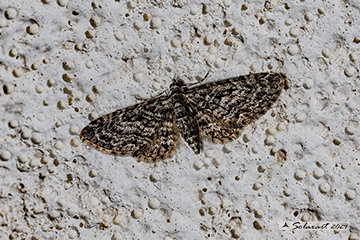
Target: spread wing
{"x":225,"y":107}
{"x":145,"y":130}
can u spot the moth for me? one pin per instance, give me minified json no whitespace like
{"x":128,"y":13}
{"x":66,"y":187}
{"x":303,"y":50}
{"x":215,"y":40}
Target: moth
{"x":217,"y":110}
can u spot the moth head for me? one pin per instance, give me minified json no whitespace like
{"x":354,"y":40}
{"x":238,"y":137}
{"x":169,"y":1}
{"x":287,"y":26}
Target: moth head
{"x":177,"y":82}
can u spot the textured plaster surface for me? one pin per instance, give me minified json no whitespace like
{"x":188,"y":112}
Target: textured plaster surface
{"x":64,"y":63}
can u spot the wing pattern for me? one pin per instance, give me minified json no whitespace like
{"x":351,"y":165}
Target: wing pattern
{"x":145,"y":130}
{"x":225,"y":107}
